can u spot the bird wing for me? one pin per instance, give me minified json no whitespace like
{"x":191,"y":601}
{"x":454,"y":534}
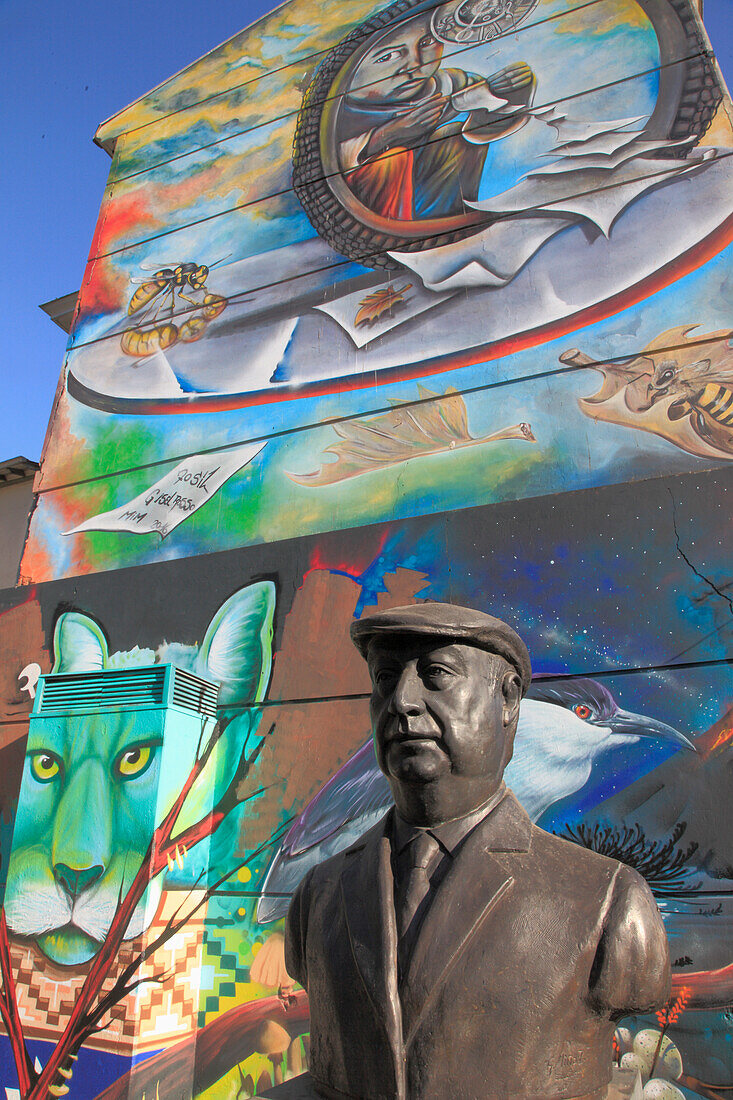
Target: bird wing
{"x":357,"y":789}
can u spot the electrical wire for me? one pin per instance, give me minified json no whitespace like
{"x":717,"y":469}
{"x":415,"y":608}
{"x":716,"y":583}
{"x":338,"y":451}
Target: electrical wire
{"x":324,"y":177}
{"x":299,"y":62}
{"x":415,"y":403}
{"x":114,"y":180}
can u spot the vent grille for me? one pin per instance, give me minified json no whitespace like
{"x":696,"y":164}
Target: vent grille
{"x":127,"y":689}
{"x":105,"y":690}
{"x":193,"y":693}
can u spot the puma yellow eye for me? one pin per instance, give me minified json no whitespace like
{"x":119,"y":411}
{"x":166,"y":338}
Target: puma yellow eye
{"x":133,"y":761}
{"x":45,"y":766}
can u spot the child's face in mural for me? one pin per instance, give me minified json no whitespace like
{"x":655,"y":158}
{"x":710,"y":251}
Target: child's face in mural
{"x":399,"y":67}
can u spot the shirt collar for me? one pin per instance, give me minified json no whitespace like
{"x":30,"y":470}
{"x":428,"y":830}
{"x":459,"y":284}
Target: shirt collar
{"x":450,"y":834}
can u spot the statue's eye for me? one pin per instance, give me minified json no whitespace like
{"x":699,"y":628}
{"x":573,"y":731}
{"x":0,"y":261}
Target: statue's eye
{"x":436,"y":675}
{"x":582,"y":711}
{"x":134,"y":761}
{"x":45,"y":766}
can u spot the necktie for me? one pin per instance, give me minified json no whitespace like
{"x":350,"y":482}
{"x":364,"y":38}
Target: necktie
{"x":413,"y":889}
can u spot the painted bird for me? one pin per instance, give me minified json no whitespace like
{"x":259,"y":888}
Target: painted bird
{"x":564,"y":729}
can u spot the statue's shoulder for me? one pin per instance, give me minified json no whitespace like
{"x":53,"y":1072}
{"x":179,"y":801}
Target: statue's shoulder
{"x":331,"y":869}
{"x":582,"y":872}
{"x":575,"y":859}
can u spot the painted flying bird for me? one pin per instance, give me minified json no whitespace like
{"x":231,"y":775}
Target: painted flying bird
{"x":564,"y":729}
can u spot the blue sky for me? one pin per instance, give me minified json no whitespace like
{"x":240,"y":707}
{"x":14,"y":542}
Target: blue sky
{"x":68,"y":66}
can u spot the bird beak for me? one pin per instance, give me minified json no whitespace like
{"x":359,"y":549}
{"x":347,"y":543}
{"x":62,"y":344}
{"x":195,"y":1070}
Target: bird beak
{"x":640,"y":725}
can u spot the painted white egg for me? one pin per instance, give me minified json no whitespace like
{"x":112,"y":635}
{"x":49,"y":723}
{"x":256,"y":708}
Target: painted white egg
{"x":668,"y":1061}
{"x":625,"y":1040}
{"x":656,"y":1089}
{"x":633,"y":1061}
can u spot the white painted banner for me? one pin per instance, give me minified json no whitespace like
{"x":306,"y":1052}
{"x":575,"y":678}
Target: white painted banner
{"x":176,"y":496}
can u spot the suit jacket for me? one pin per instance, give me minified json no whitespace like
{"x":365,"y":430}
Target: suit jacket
{"x":530,"y":949}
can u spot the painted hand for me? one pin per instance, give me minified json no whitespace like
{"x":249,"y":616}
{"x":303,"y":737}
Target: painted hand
{"x":511,"y":79}
{"x":408,"y":127}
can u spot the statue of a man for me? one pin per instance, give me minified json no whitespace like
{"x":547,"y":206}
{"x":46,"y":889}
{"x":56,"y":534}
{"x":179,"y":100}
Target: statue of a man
{"x":456,"y":950}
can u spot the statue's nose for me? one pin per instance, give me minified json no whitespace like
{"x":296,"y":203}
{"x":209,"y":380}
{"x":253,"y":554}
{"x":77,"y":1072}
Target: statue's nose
{"x":74,"y":880}
{"x":407,"y":695}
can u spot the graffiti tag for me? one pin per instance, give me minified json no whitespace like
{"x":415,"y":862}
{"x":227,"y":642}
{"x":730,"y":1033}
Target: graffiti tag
{"x":174,"y":497}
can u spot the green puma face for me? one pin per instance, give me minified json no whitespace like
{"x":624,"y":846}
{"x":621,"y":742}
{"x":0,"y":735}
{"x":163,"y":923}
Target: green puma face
{"x":84,"y":821}
{"x":95,"y":785}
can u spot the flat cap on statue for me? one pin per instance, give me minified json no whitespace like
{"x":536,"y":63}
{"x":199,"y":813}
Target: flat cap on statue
{"x":451,"y":622}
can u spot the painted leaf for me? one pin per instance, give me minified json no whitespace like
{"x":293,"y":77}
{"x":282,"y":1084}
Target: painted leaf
{"x":378,"y":303}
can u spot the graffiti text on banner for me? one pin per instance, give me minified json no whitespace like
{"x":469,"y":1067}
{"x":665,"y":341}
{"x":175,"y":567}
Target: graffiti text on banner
{"x":174,"y":497}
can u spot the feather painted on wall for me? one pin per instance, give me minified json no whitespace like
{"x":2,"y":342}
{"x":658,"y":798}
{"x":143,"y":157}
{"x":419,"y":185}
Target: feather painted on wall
{"x":438,"y":425}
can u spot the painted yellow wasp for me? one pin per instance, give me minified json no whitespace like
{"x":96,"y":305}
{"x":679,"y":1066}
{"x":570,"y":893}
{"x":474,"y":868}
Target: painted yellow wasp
{"x":156,"y":297}
{"x":169,"y":280}
{"x":697,"y":394}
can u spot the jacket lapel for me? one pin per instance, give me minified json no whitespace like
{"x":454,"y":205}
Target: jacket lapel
{"x":370,"y":921}
{"x":478,"y":880}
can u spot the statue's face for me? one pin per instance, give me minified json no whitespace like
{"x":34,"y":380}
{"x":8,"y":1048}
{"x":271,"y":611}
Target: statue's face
{"x":440,"y":715}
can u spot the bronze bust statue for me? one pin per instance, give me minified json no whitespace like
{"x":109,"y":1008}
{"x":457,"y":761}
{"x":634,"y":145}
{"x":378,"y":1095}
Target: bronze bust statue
{"x":456,"y":950}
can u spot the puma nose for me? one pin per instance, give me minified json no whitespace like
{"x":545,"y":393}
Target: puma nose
{"x":76,"y":879}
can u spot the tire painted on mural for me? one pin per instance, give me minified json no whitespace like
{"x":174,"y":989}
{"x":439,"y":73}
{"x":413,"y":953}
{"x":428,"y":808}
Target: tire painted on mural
{"x":369,"y":215}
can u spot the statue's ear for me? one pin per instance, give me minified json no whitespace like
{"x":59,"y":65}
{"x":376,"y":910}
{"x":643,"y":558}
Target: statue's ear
{"x":511,"y":690}
{"x":237,"y":649}
{"x":79,"y":644}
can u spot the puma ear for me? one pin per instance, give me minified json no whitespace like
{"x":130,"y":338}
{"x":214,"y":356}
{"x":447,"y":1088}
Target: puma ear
{"x":237,"y":649}
{"x":79,"y":645}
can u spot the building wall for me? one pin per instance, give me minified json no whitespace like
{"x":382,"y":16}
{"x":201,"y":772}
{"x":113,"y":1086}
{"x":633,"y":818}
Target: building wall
{"x":15,"y":502}
{"x":296,"y":393}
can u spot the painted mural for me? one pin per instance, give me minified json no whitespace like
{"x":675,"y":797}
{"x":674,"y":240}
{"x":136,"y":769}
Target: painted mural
{"x":428,"y":302}
{"x":117,"y":775}
{"x":623,"y":746}
{"x":427,"y":203}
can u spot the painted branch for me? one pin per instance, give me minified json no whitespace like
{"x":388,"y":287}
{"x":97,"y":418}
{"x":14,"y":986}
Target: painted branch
{"x":10,"y":1013}
{"x":229,"y":799}
{"x":210,"y":1053}
{"x":167,"y":824}
{"x":710,"y":1092}
{"x":198,"y":831}
{"x":161,"y":848}
{"x":709,"y":989}
{"x":76,"y":1030}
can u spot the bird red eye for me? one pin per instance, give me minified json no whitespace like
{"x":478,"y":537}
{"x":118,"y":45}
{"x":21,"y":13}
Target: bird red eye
{"x":582,"y":711}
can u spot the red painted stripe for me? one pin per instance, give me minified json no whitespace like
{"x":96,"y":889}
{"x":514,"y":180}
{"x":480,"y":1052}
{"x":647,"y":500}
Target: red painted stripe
{"x":676,"y":269}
